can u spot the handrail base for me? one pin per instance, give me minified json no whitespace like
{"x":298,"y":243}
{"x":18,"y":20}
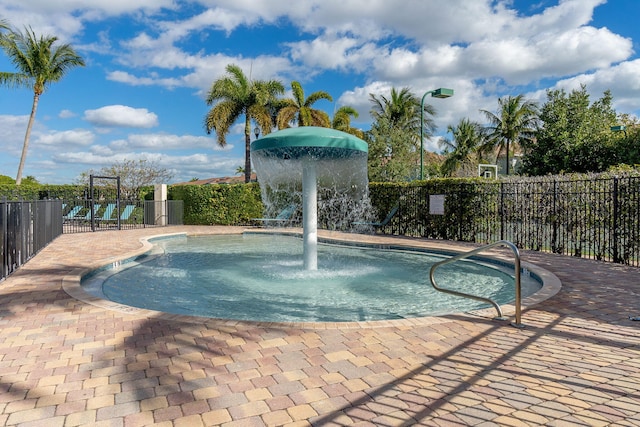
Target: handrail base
{"x":517,"y":268}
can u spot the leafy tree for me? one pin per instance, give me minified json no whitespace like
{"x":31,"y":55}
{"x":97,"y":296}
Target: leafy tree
{"x":342,"y":121}
{"x":134,"y":175}
{"x":4,"y":179}
{"x":397,"y":124}
{"x":234,"y":96}
{"x":464,"y":151}
{"x":299,"y":110}
{"x":514,"y":123}
{"x":402,"y":109}
{"x":392,"y":154}
{"x":626,"y":146}
{"x":39,"y":63}
{"x":7,"y":78}
{"x":574,"y":137}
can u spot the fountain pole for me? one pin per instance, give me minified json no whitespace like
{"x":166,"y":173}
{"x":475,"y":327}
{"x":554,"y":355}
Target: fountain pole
{"x":304,"y":146}
{"x":310,"y":214}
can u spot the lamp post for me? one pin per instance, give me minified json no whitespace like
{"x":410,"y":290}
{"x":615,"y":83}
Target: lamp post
{"x":436,"y":93}
{"x":256,"y":131}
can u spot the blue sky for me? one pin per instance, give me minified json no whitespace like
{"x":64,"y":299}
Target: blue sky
{"x":151,"y":62}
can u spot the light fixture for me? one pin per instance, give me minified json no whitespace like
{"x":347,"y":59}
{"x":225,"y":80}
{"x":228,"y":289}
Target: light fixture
{"x":436,"y":93}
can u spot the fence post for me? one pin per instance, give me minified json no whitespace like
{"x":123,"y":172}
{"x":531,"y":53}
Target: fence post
{"x":502,"y":211}
{"x":554,"y":224}
{"x":616,"y":212}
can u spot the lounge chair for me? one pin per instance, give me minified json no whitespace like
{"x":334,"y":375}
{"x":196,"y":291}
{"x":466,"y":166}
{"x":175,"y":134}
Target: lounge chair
{"x":87,"y":217}
{"x":126,"y":212}
{"x":284,"y":216}
{"x":382,"y":223}
{"x":106,"y":215}
{"x":72,"y":213}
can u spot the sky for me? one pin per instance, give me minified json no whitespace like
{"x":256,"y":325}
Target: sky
{"x":150,"y":64}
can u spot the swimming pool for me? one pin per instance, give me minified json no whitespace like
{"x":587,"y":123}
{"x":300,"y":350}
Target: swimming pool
{"x":260,"y":278}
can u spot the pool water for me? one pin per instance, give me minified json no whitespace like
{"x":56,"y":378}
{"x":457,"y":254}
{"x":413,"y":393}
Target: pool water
{"x":261,"y":278}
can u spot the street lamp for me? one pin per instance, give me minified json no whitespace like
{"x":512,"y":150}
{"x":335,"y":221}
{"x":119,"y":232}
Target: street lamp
{"x":437,"y":93}
{"x":256,"y":131}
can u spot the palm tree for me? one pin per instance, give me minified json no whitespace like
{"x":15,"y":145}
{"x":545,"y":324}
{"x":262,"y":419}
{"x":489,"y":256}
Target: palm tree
{"x":515,"y":122}
{"x":6,"y":78}
{"x":39,"y":64}
{"x":342,"y":121}
{"x":402,"y":109}
{"x":237,"y":96}
{"x":465,"y":149}
{"x":299,"y":109}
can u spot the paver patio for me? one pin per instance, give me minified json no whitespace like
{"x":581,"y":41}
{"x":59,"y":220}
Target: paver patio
{"x":64,"y":362}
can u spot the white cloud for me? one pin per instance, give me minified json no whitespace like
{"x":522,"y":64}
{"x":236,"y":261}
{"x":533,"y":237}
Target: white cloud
{"x":166,"y":142}
{"x":121,"y":116}
{"x":623,"y":80}
{"x":107,"y":7}
{"x":63,"y":139}
{"x":66,"y":114}
{"x":152,"y":80}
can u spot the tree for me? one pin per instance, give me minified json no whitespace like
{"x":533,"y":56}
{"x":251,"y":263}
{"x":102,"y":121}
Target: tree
{"x":464,"y":151}
{"x":392,"y":155}
{"x":574,"y":136}
{"x":515,"y":123}
{"x":234,"y":96}
{"x":134,"y":174}
{"x":394,"y":139}
{"x":402,"y":109}
{"x":7,"y":78}
{"x":39,"y":63}
{"x":299,"y":110}
{"x":342,"y":121}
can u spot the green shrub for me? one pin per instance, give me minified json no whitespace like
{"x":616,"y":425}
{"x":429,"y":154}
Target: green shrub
{"x":220,"y":204}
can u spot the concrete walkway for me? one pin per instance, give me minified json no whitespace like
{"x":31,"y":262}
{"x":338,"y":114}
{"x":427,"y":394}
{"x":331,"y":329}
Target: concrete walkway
{"x":65,"y":362}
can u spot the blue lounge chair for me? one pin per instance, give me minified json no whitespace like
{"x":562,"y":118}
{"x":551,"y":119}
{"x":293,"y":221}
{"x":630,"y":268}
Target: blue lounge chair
{"x":382,"y":223}
{"x":72,"y":213}
{"x":106,"y":215}
{"x":126,"y":212}
{"x":87,"y":217}
{"x":284,"y":216}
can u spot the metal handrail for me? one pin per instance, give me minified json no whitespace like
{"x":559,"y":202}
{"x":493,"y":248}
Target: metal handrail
{"x":517,"y":269}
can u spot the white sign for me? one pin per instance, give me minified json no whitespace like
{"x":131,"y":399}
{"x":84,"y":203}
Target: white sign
{"x":436,"y":204}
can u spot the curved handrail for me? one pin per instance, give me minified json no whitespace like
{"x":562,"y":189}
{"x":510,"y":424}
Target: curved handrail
{"x":517,"y":269}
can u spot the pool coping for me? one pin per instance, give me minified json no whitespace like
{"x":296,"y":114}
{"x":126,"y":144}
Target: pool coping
{"x":551,"y":285}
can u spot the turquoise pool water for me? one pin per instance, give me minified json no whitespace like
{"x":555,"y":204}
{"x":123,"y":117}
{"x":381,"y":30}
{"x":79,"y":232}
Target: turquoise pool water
{"x":260,"y":278}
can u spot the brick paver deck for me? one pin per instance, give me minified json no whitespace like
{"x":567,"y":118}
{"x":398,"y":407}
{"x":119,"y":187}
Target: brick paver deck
{"x":65,"y":362}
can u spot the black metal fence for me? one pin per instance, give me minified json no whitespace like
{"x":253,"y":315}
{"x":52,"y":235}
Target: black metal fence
{"x":80,"y":216}
{"x":596,"y":218}
{"x":26,"y":228}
